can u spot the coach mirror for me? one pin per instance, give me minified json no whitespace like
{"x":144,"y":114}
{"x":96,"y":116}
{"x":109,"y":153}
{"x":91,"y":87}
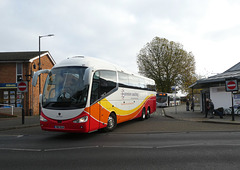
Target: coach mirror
{"x":86,"y":77}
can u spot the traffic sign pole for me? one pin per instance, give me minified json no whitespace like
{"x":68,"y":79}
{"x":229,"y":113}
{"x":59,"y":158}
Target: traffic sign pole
{"x":22,"y":87}
{"x":231,"y":86}
{"x":23,"y":114}
{"x":232,"y":109}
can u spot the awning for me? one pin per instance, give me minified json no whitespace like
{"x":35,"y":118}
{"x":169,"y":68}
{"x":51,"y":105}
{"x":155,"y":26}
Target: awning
{"x":217,"y":80}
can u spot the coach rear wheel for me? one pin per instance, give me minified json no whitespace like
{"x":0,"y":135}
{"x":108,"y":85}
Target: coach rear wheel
{"x":111,"y":124}
{"x":148,"y":113}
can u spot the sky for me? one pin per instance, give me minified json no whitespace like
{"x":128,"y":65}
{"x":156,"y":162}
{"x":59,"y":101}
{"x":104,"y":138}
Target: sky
{"x":116,"y":30}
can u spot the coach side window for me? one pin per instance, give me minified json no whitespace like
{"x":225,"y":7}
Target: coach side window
{"x":108,"y":81}
{"x":151,"y":86}
{"x":103,"y":82}
{"x":134,"y":82}
{"x":123,"y":79}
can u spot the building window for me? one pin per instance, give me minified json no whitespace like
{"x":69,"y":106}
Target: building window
{"x":19,"y":72}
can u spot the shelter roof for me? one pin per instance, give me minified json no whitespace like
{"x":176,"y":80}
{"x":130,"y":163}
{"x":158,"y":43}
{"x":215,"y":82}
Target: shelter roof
{"x":219,"y":79}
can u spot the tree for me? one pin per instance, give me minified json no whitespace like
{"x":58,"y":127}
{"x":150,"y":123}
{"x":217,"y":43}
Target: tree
{"x":167,"y":63}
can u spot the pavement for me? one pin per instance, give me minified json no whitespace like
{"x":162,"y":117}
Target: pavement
{"x":16,"y":122}
{"x":180,"y":113}
{"x":8,"y":122}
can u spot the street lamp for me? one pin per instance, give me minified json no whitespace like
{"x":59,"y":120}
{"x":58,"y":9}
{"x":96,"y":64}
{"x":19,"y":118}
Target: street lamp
{"x":39,"y":68}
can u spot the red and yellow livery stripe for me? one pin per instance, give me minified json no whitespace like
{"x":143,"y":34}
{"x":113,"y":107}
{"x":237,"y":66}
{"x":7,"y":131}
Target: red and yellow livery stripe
{"x":99,"y":112}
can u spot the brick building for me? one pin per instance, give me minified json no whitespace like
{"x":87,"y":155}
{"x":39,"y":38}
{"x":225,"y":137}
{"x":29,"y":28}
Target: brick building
{"x":17,"y":67}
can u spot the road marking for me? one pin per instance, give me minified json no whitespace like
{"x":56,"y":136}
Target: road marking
{"x":183,"y":145}
{"x":134,"y":147}
{"x":20,"y":136}
{"x":21,"y":149}
{"x":71,"y":148}
{"x":12,"y":136}
{"x":126,"y":147}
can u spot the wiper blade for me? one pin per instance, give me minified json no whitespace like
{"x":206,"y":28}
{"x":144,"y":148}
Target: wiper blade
{"x":48,"y":103}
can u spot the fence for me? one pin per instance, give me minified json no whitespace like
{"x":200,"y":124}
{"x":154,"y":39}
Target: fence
{"x":5,"y":108}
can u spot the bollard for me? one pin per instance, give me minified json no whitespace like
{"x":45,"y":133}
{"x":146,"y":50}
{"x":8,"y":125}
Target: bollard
{"x":23,"y":115}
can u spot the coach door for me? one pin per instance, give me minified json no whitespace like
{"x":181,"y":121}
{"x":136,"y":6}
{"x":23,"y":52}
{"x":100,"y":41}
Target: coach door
{"x":95,"y":109}
{"x":108,"y":85}
{"x":104,"y":84}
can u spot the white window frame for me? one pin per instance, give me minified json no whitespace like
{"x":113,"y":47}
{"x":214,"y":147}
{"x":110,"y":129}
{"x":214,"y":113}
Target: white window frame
{"x":17,"y":74}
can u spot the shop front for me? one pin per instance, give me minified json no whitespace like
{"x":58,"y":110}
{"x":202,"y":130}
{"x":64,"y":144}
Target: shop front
{"x":16,"y":71}
{"x":9,"y":95}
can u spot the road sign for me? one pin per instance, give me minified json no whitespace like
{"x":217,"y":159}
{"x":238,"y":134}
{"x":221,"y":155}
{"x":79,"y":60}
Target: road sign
{"x":22,"y":86}
{"x":173,"y":88}
{"x":231,"y":85}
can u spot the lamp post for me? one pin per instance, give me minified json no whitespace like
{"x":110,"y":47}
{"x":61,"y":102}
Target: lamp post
{"x":39,"y":68}
{"x":174,"y":88}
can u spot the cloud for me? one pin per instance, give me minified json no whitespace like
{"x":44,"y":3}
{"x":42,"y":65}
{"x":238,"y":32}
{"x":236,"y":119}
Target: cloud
{"x":117,"y":30}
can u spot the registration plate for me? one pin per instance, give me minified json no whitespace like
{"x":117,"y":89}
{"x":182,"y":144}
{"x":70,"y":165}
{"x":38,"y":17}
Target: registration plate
{"x":59,"y":127}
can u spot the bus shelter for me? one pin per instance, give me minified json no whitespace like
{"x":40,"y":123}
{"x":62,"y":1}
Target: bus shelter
{"x":214,"y":88}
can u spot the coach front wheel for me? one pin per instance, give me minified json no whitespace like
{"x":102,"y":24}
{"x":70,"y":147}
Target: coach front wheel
{"x":112,"y":123}
{"x":143,"y":114}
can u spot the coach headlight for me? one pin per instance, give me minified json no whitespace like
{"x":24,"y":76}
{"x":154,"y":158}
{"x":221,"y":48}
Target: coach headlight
{"x":42,"y":119}
{"x":81,"y":120}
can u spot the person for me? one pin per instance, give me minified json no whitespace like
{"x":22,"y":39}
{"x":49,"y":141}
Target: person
{"x":206,"y":107}
{"x":192,"y":106}
{"x":219,"y":112}
{"x":187,"y":105}
{"x":211,"y":108}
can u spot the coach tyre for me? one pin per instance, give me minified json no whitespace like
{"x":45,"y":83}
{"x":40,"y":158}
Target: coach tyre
{"x":112,"y":123}
{"x":148,"y":113}
{"x":143,"y":114}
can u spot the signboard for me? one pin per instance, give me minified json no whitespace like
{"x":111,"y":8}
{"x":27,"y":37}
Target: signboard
{"x":22,"y":86}
{"x":173,"y":88}
{"x":236,"y":100}
{"x":231,"y":85}
{"x":8,"y":85}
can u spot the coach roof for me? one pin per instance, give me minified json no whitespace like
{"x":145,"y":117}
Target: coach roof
{"x":94,"y":63}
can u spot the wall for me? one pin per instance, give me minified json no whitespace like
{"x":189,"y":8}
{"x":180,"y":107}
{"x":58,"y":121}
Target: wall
{"x":31,"y":98}
{"x":8,"y":72}
{"x":220,"y":97}
{"x":33,"y":101}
